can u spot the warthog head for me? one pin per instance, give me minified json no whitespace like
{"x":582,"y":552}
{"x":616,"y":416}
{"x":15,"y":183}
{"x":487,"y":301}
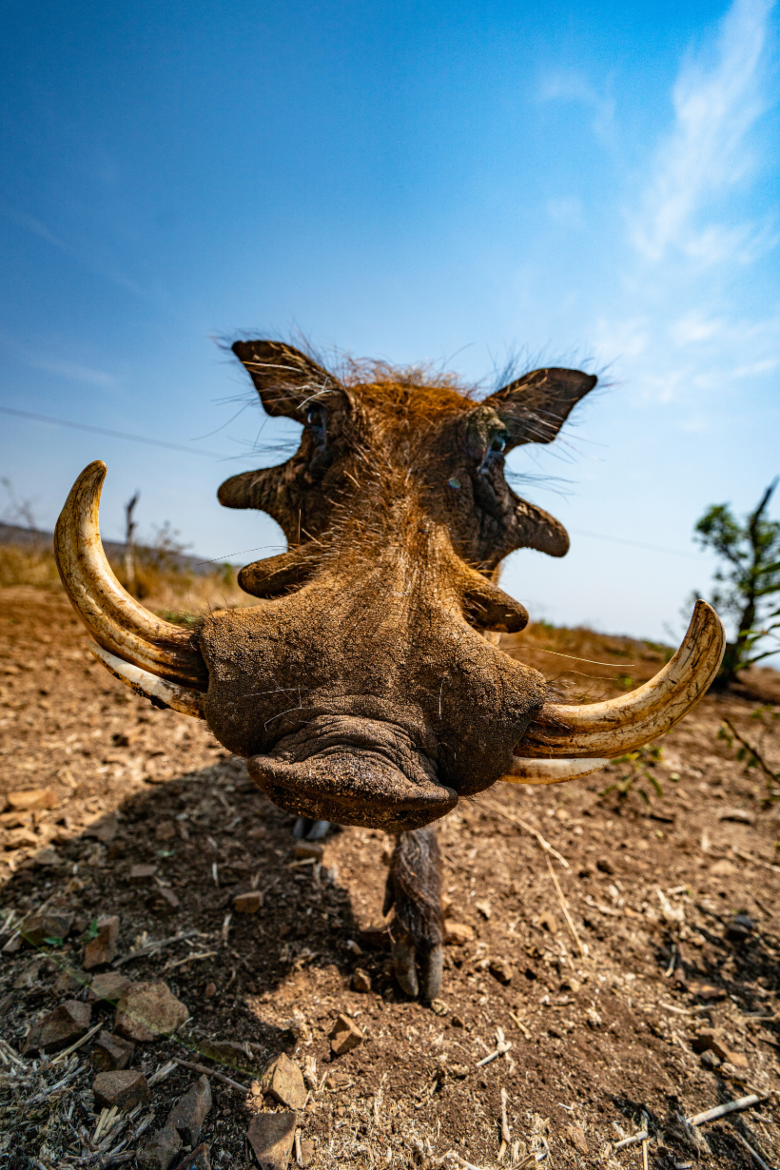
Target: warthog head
{"x":362,"y":687}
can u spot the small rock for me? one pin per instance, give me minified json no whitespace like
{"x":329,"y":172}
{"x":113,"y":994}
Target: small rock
{"x":593,"y":1018}
{"x":576,"y":1135}
{"x":307,"y":1152}
{"x":459,"y":1071}
{"x":210,"y":990}
{"x":740,"y":815}
{"x":248,"y":903}
{"x":723,"y":869}
{"x":165,"y":831}
{"x":21,"y":839}
{"x":112,"y":1052}
{"x":710,"y":1060}
{"x":548,"y":922}
{"x":47,"y":858}
{"x":61,"y":1028}
{"x":163,"y":900}
{"x":51,"y":924}
{"x":141,"y":874}
{"x":32,"y":798}
{"x":732,"y":1072}
{"x":147,"y":1011}
{"x":271,"y":1137}
{"x":458,"y":1022}
{"x":197,"y":1160}
{"x":104,"y":829}
{"x":102,"y":948}
{"x":604,"y":865}
{"x":500,"y":970}
{"x":308,"y":849}
{"x":69,"y":981}
{"x":124,"y":1088}
{"x":159,"y":1151}
{"x":361,"y":980}
{"x":484,"y":908}
{"x":457,"y":933}
{"x":190,"y":1111}
{"x":345,"y":1035}
{"x":439,"y":1007}
{"x":713,"y":1040}
{"x":283,"y":1080}
{"x":740,"y":927}
{"x":109,"y":986}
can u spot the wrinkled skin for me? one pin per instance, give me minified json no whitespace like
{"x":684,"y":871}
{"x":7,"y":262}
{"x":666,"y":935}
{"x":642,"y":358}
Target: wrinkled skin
{"x":362,"y":688}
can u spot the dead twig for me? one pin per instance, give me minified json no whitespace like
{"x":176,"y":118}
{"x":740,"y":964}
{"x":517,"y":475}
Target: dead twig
{"x":152,"y":947}
{"x":502,"y":1046}
{"x":210,"y":1072}
{"x":642,"y":1136}
{"x":754,"y":752}
{"x":572,"y":928}
{"x":528,"y":829}
{"x":61,"y":1055}
{"x":752,"y":1152}
{"x":737,"y":1106}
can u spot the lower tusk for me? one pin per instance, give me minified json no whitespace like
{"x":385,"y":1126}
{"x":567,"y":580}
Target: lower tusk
{"x":163,"y":694}
{"x":527,"y":771}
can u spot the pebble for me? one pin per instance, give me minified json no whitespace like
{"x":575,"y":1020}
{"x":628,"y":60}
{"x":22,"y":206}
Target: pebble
{"x":345,"y":1035}
{"x":160,"y":1150}
{"x":457,"y":933}
{"x":271,"y":1137}
{"x":104,"y":829}
{"x":248,"y":903}
{"x":283,"y":1080}
{"x":500,"y":970}
{"x":576,"y":1135}
{"x":548,"y":922}
{"x":124,"y":1088}
{"x":163,"y":901}
{"x":197,"y":1160}
{"x":148,"y":1011}
{"x":484,"y":908}
{"x":141,"y":874}
{"x":32,"y":798}
{"x":112,"y":1052}
{"x":190,"y":1111}
{"x":308,"y":849}
{"x":109,"y":986}
{"x":361,"y":980}
{"x":713,"y":1040}
{"x":49,"y":924}
{"x":593,"y":1018}
{"x":60,"y":1028}
{"x":102,"y":948}
{"x":740,"y":815}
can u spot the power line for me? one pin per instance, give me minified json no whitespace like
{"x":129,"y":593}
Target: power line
{"x":76,"y":426}
{"x":676,"y":552}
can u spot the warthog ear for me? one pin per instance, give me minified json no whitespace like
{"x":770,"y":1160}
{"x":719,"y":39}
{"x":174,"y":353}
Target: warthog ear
{"x":287,"y":381}
{"x":534,"y":408}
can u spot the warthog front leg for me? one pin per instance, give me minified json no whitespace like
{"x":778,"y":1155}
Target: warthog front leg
{"x":414,"y":888}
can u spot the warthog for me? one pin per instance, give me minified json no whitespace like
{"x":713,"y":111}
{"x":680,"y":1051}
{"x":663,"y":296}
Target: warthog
{"x":366,"y":686}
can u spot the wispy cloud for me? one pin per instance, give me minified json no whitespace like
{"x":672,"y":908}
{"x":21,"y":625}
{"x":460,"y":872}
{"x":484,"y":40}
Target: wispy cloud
{"x":717,"y":100}
{"x":74,"y":371}
{"x":570,"y":86}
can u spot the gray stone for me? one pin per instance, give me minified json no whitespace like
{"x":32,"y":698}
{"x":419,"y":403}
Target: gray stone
{"x":61,"y":1028}
{"x":189,"y":1113}
{"x":271,"y":1136}
{"x":160,"y":1150}
{"x":124,"y":1088}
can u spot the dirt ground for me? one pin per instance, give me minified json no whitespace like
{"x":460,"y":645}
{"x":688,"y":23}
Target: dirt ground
{"x":672,"y":899}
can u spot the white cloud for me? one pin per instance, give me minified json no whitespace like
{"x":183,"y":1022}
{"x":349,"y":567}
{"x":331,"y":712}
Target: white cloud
{"x":74,"y":371}
{"x":716,"y":105}
{"x":568,"y":86}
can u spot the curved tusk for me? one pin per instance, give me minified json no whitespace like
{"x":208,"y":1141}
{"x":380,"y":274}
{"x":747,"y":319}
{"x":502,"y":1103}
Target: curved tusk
{"x":527,"y":771}
{"x":115,"y":619}
{"x":621,"y":725}
{"x":162,"y":694}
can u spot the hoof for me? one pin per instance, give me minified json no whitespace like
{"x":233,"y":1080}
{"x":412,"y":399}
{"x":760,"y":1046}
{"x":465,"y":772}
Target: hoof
{"x":418,"y":970}
{"x":309,"y":830}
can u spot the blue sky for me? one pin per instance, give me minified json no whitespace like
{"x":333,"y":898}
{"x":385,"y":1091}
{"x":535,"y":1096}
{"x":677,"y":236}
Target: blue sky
{"x":579,"y":184}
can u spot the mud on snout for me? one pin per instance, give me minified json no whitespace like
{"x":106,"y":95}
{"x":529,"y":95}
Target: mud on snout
{"x":355,"y":772}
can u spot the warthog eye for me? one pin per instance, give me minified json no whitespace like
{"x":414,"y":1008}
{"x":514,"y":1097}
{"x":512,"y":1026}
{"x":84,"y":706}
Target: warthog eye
{"x":315,"y":420}
{"x":499,"y":442}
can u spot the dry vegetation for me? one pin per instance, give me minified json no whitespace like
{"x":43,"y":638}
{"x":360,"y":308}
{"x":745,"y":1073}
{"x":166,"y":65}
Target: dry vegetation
{"x":606,"y":1025}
